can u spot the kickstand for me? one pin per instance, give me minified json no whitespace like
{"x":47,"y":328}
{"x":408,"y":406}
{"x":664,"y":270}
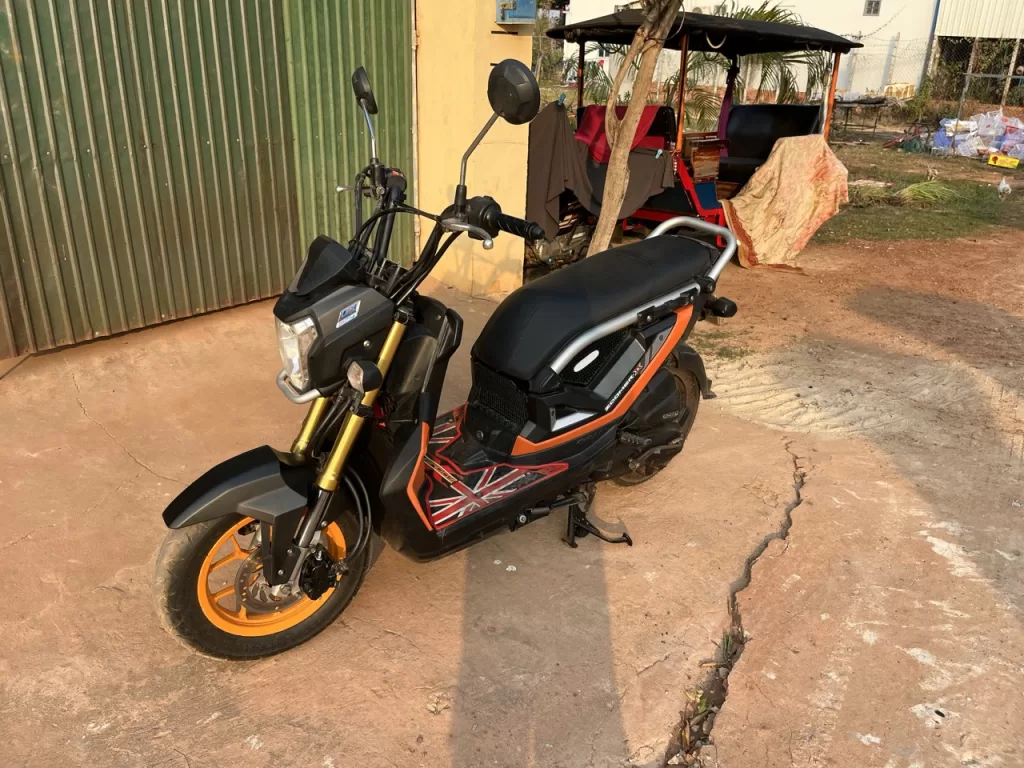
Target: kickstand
{"x":578,"y":525}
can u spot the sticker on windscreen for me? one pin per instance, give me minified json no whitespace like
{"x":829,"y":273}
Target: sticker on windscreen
{"x":348,"y":314}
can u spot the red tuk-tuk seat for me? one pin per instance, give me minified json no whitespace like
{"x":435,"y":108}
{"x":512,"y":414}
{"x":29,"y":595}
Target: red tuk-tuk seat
{"x":753,"y":129}
{"x":656,"y":127}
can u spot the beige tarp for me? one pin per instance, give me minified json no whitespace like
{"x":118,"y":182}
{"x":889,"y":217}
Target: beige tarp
{"x":799,"y":188}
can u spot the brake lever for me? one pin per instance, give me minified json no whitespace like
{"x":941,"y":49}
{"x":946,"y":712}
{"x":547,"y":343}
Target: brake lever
{"x":454,"y":225}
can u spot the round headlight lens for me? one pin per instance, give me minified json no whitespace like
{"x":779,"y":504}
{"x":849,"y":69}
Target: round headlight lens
{"x":293,"y":342}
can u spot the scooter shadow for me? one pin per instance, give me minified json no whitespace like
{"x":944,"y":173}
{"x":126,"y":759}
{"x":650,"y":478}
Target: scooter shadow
{"x":536,"y":684}
{"x":536,"y":681}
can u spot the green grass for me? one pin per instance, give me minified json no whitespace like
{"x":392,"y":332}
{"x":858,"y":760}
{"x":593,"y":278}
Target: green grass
{"x":718,"y":344}
{"x":973,"y":205}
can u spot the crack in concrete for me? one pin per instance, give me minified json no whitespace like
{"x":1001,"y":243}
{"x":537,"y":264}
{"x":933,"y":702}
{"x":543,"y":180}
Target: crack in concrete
{"x":654,"y":663}
{"x":27,"y":536}
{"x":781,"y":534}
{"x":94,"y":420}
{"x":685,"y":746}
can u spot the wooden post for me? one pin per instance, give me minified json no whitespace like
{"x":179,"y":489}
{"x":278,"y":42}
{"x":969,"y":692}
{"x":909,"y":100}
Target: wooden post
{"x":579,"y":76}
{"x":684,"y":66}
{"x":1009,"y":74}
{"x":830,"y":100}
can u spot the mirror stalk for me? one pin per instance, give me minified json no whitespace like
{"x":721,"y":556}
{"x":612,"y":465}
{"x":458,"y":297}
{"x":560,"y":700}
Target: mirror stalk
{"x":460,"y":191}
{"x":369,"y":127}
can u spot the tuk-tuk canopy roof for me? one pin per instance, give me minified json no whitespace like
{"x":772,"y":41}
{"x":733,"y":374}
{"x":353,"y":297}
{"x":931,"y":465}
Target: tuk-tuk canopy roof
{"x":713,"y":34}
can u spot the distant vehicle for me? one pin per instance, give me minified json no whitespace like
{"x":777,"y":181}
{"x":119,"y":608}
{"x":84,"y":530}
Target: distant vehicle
{"x":708,"y":166}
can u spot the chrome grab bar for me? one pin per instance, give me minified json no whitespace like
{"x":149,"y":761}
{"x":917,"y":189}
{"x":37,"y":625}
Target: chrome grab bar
{"x":700,"y":225}
{"x":292,"y":393}
{"x":584,"y":340}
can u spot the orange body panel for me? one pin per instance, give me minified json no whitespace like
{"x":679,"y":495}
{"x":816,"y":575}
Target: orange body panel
{"x":523,"y":446}
{"x":418,"y":476}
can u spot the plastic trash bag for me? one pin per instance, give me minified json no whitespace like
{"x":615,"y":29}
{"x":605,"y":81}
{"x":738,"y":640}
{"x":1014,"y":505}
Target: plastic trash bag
{"x":972,"y":146}
{"x":952,"y":126}
{"x":1014,"y":137}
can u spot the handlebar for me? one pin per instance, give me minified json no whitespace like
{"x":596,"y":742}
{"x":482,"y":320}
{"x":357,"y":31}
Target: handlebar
{"x":527,"y":230}
{"x":486,"y":214}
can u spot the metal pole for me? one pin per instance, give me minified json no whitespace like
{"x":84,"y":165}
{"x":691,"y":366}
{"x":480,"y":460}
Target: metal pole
{"x":1009,"y":74}
{"x":830,"y":101}
{"x":684,"y":66}
{"x":893,"y":53}
{"x":579,"y":76}
{"x":926,"y":70}
{"x":967,"y":79}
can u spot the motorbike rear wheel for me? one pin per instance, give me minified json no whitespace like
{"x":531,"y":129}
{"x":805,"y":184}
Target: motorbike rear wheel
{"x":210,"y":594}
{"x":689,"y":392}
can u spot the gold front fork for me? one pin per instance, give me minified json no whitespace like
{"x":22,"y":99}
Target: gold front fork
{"x":328,"y":479}
{"x":309,"y":425}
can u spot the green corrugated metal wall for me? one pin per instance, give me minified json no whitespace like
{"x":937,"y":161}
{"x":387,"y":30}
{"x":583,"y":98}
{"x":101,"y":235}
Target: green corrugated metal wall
{"x":163,"y":158}
{"x":327,"y":40}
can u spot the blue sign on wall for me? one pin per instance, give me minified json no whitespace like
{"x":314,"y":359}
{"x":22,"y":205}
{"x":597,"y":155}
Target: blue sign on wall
{"x":516,"y":11}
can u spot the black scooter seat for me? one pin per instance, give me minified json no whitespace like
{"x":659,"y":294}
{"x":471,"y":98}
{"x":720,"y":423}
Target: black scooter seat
{"x":537,"y":321}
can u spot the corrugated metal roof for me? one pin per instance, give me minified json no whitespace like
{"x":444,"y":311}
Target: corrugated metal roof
{"x":981,"y":18}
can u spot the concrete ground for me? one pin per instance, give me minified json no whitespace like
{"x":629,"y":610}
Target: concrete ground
{"x":883,"y":625}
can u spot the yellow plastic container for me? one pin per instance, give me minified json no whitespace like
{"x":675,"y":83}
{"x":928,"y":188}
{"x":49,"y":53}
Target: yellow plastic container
{"x":1002,"y":161}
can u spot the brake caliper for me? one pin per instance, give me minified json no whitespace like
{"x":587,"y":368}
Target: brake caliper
{"x":318,"y":573}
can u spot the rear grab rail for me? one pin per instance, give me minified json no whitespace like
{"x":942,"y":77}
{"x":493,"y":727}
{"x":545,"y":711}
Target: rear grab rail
{"x":702,"y":226}
{"x":626,"y":319}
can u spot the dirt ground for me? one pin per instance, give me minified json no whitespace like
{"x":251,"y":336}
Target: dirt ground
{"x":890,"y":619}
{"x":868,"y":429}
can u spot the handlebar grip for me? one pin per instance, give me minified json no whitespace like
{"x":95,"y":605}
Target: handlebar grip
{"x":527,"y":230}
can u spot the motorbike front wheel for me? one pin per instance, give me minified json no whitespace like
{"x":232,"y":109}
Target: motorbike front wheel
{"x":210,"y":593}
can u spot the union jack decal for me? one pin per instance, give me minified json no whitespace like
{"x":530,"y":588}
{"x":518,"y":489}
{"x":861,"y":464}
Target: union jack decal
{"x":453,"y":493}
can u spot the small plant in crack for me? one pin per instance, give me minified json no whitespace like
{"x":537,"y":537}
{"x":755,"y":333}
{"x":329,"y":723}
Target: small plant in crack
{"x":703,"y":704}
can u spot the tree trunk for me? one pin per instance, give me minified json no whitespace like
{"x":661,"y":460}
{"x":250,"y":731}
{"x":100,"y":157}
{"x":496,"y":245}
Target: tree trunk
{"x":659,"y":16}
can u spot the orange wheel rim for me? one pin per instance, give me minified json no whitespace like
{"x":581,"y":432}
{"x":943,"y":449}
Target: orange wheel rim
{"x":224,"y":604}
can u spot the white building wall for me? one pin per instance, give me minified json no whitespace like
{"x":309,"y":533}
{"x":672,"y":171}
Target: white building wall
{"x":895,"y":42}
{"x":981,"y":18}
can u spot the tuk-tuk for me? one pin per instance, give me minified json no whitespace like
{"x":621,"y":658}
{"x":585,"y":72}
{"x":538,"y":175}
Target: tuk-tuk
{"x":700,"y":168}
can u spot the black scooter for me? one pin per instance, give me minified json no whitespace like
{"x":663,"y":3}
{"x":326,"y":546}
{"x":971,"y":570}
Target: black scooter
{"x":580,"y":376}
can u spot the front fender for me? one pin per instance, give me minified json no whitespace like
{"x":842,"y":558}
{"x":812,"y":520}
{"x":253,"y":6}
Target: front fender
{"x":262,"y":483}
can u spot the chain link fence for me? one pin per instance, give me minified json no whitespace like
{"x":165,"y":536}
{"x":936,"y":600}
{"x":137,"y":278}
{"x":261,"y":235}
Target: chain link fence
{"x":975,"y":76}
{"x":891,"y":68}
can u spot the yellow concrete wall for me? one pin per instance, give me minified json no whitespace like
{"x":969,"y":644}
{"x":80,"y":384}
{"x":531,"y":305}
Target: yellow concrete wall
{"x":458,"y":44}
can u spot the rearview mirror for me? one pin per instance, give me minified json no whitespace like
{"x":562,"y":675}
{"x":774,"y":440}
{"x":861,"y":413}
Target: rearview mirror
{"x":364,"y":93}
{"x":513,"y":92}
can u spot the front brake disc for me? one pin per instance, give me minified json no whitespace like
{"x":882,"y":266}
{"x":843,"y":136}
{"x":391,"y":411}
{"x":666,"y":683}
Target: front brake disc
{"x":253,"y":590}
